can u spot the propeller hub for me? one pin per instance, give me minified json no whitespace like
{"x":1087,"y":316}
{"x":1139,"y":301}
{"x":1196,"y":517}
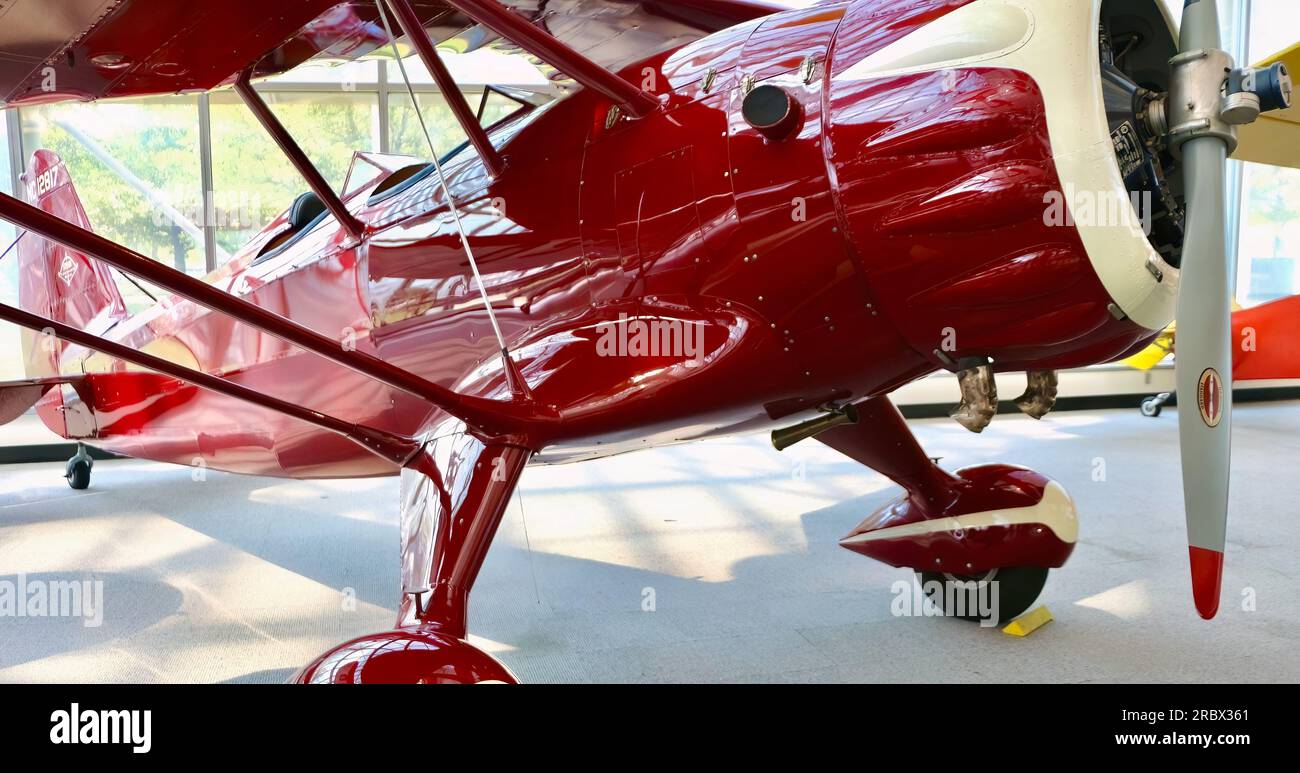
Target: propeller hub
{"x":1272,"y":85}
{"x":1198,"y":98}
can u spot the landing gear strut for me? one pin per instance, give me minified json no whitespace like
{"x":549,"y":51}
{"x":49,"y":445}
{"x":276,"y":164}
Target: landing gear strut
{"x":995,"y":529}
{"x":454,"y":493}
{"x":78,"y":469}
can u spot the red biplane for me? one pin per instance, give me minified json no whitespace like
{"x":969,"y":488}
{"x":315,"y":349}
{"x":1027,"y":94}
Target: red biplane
{"x":739,"y":218}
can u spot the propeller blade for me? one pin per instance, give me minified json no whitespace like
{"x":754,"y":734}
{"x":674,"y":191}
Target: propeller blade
{"x":1204,"y":359}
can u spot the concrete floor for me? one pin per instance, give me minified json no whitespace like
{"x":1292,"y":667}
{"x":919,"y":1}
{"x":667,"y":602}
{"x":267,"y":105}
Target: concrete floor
{"x":244,"y":579}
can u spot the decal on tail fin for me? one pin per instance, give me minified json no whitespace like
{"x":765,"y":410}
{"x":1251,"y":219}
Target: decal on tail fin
{"x":54,"y":281}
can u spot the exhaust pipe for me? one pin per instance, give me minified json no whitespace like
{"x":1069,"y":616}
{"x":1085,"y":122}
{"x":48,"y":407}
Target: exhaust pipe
{"x":979,"y":397}
{"x":837,"y":417}
{"x":1040,"y":394}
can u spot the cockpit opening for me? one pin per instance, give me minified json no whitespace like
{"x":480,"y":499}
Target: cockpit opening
{"x":307,"y":211}
{"x":399,"y":181}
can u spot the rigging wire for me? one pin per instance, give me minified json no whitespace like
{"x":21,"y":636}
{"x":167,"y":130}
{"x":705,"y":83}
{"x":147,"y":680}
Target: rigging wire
{"x":138,"y":286}
{"x":12,"y":244}
{"x":119,"y":271}
{"x":446,"y":192}
{"x":528,"y":542}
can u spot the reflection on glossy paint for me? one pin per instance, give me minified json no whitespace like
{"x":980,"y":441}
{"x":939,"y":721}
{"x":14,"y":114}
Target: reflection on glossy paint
{"x":818,"y":268}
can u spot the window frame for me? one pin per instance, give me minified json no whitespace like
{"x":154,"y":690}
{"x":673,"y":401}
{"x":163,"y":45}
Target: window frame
{"x":380,"y":85}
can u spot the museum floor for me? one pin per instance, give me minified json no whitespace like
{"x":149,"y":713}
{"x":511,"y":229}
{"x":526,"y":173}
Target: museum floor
{"x":708,"y":562}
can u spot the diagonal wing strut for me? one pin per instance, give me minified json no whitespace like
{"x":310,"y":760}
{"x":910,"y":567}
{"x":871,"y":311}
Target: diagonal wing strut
{"x":487,"y":418}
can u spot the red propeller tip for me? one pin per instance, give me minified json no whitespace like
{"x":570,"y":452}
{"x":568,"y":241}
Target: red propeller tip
{"x":1207,"y":580}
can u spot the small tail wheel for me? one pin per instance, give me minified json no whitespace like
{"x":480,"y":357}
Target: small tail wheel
{"x":1008,"y":592}
{"x":78,"y":469}
{"x":1151,"y":407}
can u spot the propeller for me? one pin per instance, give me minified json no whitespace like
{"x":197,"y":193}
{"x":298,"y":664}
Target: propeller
{"x":1204,"y":361}
{"x":1203,"y":115}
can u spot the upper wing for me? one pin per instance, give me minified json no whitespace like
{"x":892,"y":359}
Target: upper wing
{"x":53,"y":50}
{"x":1275,"y":137}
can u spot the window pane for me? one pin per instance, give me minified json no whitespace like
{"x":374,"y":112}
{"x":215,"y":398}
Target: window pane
{"x":1270,"y":235}
{"x":135,"y":167}
{"x":252,"y":179}
{"x":11,"y":366}
{"x":1268,"y":263}
{"x":362,"y":75}
{"x":406,"y":137}
{"x":478,"y":68}
{"x":472,"y":72}
{"x":494,"y":108}
{"x":1274,"y":25}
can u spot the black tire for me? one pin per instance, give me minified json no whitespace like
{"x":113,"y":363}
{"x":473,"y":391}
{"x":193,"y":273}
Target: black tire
{"x":79,"y":474}
{"x":1017,"y":588}
{"x":1151,"y":407}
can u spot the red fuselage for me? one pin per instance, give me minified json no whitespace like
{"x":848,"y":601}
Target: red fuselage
{"x":822,"y":268}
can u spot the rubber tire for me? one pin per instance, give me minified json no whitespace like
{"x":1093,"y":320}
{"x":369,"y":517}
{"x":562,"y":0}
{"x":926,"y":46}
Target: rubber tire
{"x":79,"y":474}
{"x":1018,"y":589}
{"x":1151,"y":407}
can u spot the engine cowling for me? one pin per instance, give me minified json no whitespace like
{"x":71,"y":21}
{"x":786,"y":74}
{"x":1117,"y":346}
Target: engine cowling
{"x":986,"y":157}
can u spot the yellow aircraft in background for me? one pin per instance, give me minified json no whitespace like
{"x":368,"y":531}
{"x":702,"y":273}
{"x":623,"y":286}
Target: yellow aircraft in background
{"x":1266,"y":346}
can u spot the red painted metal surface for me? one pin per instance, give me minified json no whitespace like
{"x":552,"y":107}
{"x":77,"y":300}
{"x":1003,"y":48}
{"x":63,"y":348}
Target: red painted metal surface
{"x":405,"y":656}
{"x":817,"y":270}
{"x":87,"y":49}
{"x":881,"y":440}
{"x":469,"y":486}
{"x":974,"y":551}
{"x":459,"y":488}
{"x":1265,"y":343}
{"x":546,"y":47}
{"x":947,"y":202}
{"x":684,"y":219}
{"x":483,"y":414}
{"x":1207,"y":580}
{"x":388,"y":446}
{"x":56,"y":281}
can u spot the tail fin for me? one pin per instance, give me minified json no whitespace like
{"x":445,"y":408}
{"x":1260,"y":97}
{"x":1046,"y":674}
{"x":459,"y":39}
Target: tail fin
{"x":54,"y":281}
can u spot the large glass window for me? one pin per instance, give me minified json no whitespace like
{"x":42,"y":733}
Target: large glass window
{"x":10,"y":347}
{"x":408,"y":136}
{"x":138,"y":163}
{"x":1268,"y":261}
{"x":252,"y":179}
{"x":475,"y":72}
{"x":135,"y":165}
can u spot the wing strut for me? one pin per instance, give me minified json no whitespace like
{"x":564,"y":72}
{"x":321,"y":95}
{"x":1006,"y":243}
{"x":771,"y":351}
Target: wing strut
{"x":521,"y":419}
{"x":296,"y":157}
{"x":469,"y":123}
{"x":546,"y":47}
{"x":518,"y":387}
{"x":395,"y":448}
